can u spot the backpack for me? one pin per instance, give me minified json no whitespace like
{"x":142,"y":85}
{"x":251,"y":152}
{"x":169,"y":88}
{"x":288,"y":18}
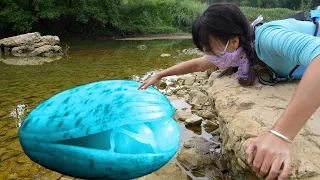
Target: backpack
{"x":298,"y":71}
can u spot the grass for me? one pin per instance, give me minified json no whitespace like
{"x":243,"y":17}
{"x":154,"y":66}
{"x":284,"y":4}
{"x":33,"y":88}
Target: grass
{"x":268,"y":14}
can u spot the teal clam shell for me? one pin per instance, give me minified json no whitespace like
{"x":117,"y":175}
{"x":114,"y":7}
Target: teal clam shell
{"x":102,"y":130}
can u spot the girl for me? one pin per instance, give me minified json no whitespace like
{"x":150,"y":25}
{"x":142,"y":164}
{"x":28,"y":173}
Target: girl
{"x":224,"y":34}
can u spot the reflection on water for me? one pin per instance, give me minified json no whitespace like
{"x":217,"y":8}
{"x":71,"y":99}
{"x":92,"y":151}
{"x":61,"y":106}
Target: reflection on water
{"x":22,"y":88}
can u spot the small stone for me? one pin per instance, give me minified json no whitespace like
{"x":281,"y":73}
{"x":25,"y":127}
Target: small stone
{"x":182,"y":115}
{"x":188,"y":144}
{"x":193,"y":121}
{"x":67,"y":178}
{"x":199,"y":99}
{"x":205,"y":114}
{"x":181,"y":93}
{"x":161,"y":84}
{"x":12,"y":176}
{"x":24,"y":173}
{"x":53,"y":175}
{"x":165,"y":55}
{"x":23,"y":159}
{"x":210,"y":126}
{"x":189,"y":81}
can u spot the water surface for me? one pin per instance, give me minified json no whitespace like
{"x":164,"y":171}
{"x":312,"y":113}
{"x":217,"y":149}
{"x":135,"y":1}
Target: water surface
{"x":86,"y":61}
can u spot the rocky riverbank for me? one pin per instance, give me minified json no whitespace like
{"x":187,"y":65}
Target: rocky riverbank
{"x":238,"y":114}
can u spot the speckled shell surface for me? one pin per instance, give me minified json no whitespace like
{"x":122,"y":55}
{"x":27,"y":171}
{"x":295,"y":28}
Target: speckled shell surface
{"x":102,"y":130}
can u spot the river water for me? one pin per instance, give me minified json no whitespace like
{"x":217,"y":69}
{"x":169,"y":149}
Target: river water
{"x":23,"y":87}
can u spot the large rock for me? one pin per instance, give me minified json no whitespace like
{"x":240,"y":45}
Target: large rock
{"x":31,"y":44}
{"x":245,"y":113}
{"x":24,"y":39}
{"x":52,"y":40}
{"x":182,"y":115}
{"x":46,"y":49}
{"x":199,"y":155}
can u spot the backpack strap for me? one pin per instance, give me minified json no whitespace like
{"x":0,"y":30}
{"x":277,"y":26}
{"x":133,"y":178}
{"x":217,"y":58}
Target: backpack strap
{"x":273,"y":77}
{"x":317,"y":31}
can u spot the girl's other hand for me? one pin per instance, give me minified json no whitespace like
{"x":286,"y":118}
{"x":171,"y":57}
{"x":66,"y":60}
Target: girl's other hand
{"x":150,"y":82}
{"x":267,"y":153}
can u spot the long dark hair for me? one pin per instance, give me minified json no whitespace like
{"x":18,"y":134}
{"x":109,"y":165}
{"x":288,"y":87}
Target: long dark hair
{"x":225,"y":21}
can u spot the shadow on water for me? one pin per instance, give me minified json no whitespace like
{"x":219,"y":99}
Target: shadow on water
{"x":87,"y":61}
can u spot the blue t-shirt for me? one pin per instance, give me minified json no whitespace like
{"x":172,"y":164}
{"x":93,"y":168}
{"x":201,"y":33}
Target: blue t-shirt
{"x":283,"y":44}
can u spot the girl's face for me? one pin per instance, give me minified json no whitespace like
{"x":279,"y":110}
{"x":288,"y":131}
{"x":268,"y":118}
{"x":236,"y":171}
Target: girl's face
{"x":219,"y":46}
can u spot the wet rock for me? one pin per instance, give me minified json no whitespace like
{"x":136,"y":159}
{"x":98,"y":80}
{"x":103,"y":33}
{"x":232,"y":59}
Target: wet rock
{"x":189,"y":80}
{"x":168,"y":172}
{"x":53,"y":175}
{"x":161,"y":84}
{"x":193,"y":121}
{"x":193,"y":93}
{"x":210,"y":126}
{"x":199,"y":99}
{"x":141,"y":47}
{"x":206,"y":114}
{"x":182,"y":115}
{"x":196,"y":155}
{"x":181,"y":93}
{"x":52,"y":40}
{"x":21,"y":50}
{"x":31,"y":44}
{"x":16,"y":41}
{"x":46,"y":48}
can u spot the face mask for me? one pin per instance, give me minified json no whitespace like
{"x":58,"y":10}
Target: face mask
{"x":236,"y":58}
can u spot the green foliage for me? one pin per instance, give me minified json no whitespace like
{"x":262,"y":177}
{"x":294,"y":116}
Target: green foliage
{"x":14,"y":14}
{"x":306,"y":4}
{"x":154,"y":16}
{"x":84,"y":18}
{"x":268,"y":14}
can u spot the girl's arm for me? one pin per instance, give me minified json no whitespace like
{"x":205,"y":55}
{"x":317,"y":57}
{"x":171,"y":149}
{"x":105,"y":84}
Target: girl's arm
{"x":272,"y":151}
{"x":195,"y":65}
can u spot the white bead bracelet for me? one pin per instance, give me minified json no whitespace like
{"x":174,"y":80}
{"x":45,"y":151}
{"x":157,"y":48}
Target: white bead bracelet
{"x":281,"y":136}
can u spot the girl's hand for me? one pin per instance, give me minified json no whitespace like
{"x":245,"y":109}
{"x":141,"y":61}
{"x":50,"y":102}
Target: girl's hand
{"x":150,"y":82}
{"x":267,"y":153}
